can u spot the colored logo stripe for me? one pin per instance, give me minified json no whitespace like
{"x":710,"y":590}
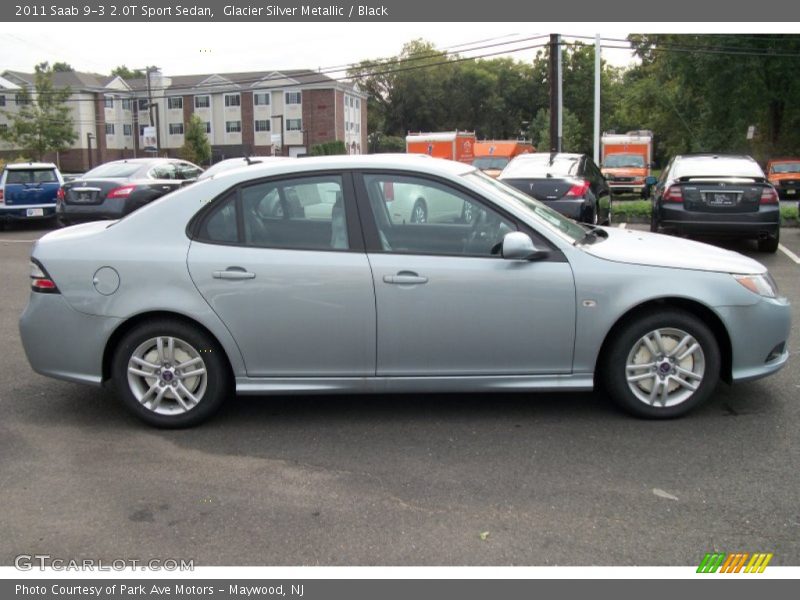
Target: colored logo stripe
{"x":734,"y":562}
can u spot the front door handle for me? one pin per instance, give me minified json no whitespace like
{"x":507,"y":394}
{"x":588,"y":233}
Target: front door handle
{"x":233,"y":273}
{"x":405,"y":278}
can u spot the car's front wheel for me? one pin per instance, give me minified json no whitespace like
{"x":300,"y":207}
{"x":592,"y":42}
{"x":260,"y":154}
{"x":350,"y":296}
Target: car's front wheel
{"x":419,"y":214}
{"x":661,"y":365}
{"x":170,"y":374}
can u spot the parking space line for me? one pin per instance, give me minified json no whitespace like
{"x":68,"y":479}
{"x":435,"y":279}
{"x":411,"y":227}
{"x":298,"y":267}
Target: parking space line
{"x":789,"y":253}
{"x":622,"y":225}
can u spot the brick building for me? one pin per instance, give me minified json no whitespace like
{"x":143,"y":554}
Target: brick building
{"x":252,"y":113}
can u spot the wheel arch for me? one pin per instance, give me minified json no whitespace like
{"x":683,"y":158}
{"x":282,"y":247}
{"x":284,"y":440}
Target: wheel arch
{"x":136,"y":320}
{"x":697,"y":309}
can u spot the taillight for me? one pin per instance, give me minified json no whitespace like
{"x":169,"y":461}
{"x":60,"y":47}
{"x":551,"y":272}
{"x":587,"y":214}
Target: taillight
{"x":578,"y":190}
{"x":40,"y":280}
{"x":388,"y":191}
{"x":60,"y":195}
{"x":121,"y":192}
{"x":1,"y":197}
{"x":673,"y":194}
{"x":769,"y":196}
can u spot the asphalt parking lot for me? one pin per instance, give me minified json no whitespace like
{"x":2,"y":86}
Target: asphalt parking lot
{"x":547,"y":479}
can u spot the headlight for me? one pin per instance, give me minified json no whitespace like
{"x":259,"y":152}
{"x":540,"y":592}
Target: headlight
{"x":763,"y":285}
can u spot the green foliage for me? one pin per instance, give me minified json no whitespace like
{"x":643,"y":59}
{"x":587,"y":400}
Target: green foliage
{"x":624,"y":210}
{"x":571,"y":139}
{"x":43,"y":123}
{"x":379,"y":144}
{"x":126,"y":73}
{"x":789,"y":212}
{"x":334,"y":147}
{"x":62,"y":67}
{"x":196,"y":147}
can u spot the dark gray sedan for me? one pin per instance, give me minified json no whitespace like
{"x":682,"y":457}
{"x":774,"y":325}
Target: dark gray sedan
{"x":117,"y":188}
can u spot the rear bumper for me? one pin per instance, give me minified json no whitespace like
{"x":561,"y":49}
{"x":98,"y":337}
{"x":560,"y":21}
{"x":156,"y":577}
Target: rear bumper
{"x":77,"y":213}
{"x":21,"y":212}
{"x":762,"y":223}
{"x":623,"y":188}
{"x":63,"y":343}
{"x":574,"y":209}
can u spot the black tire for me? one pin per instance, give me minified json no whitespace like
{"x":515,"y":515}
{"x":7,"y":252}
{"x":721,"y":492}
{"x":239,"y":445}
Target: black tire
{"x":419,"y":212}
{"x":211,"y":389}
{"x":654,"y":225}
{"x":770,"y":244}
{"x":673,"y":324}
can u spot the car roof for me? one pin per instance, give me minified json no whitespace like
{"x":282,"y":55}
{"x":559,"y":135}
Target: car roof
{"x":30,"y":165}
{"x":414,"y":162}
{"x":714,"y":156}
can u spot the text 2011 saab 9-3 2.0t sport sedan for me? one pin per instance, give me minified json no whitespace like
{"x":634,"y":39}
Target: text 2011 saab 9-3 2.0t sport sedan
{"x":212,"y":290}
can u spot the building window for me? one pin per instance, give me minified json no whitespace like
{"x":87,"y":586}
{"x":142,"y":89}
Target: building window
{"x":127,"y":104}
{"x":208,"y":126}
{"x":109,"y":129}
{"x":108,"y":101}
{"x":294,"y":124}
{"x":175,"y":102}
{"x":202,"y":101}
{"x":262,"y":125}
{"x":141,"y":130}
{"x":21,"y":99}
{"x":261,"y":99}
{"x":176,"y":128}
{"x":2,"y":100}
{"x":233,"y":100}
{"x":358,"y":103}
{"x":233,"y":126}
{"x":127,"y":129}
{"x":3,"y":127}
{"x":294,"y":98}
{"x":142,"y":103}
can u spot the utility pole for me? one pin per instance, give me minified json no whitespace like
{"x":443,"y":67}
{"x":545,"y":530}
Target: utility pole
{"x":150,"y":107}
{"x":555,"y":89}
{"x":597,"y":99}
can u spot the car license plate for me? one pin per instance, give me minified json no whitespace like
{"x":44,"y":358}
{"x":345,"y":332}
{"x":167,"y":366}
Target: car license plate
{"x":791,"y":192}
{"x":717,"y":199}
{"x":35,"y":212}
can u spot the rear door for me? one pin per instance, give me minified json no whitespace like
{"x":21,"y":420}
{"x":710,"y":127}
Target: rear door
{"x":289,"y":278}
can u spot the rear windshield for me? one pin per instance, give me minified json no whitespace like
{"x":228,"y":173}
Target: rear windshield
{"x":723,"y":166}
{"x":31,"y":176}
{"x":113,"y":170}
{"x":786,"y":167}
{"x":542,"y":165}
{"x":490,"y":162}
{"x":619,"y":161}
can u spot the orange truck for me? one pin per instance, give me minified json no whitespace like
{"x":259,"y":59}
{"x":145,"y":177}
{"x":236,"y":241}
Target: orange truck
{"x":784,"y":174}
{"x":492,"y":156}
{"x":626,"y":160}
{"x":453,"y":145}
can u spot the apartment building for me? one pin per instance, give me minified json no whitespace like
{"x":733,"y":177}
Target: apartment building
{"x":250,"y":113}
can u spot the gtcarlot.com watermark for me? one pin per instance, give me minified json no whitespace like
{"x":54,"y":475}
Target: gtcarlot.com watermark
{"x":42,"y":562}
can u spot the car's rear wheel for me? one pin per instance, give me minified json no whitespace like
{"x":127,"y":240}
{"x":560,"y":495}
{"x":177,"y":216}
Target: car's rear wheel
{"x":769,"y":244}
{"x":170,"y":374}
{"x":662,"y":365}
{"x":419,"y":214}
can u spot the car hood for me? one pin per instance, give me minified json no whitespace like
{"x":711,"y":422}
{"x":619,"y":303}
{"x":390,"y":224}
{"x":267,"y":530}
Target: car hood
{"x":657,"y":250}
{"x":783,"y":176}
{"x":625,"y":171}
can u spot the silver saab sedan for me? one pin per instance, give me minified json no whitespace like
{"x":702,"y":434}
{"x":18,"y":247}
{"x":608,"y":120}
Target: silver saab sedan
{"x":293,"y":277}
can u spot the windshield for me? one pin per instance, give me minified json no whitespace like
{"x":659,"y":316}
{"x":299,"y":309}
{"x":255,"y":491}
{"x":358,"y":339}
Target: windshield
{"x":787,"y":167}
{"x":553,"y":220}
{"x":121,"y":169}
{"x":490,"y":162}
{"x":617,"y":161}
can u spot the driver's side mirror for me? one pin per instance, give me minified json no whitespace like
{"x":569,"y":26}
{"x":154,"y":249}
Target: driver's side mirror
{"x":519,"y":246}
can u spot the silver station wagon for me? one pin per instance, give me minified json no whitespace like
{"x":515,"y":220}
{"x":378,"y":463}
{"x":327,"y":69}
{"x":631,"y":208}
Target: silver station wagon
{"x":295,"y":277}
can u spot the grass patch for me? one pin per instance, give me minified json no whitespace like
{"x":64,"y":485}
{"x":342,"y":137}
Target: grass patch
{"x":639,"y":210}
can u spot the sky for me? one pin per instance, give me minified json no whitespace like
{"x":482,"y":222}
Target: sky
{"x":232,"y":47}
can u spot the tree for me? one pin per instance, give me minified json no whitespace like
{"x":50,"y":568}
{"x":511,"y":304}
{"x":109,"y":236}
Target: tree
{"x":196,"y":147}
{"x":572,"y":137}
{"x":43,"y":123}
{"x":62,"y":67}
{"x":126,"y":73}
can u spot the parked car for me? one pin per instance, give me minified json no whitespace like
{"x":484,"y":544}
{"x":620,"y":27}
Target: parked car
{"x":237,"y":163}
{"x":117,"y":188}
{"x":225,"y":298}
{"x":784,"y":174}
{"x":717,"y":195}
{"x":569,"y":183}
{"x":28,"y":191}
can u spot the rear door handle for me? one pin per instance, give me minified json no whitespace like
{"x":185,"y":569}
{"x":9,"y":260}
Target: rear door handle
{"x":405,"y":278}
{"x":233,"y":273}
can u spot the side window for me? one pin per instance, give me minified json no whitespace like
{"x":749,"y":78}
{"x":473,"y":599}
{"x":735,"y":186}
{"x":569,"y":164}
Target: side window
{"x":186,"y":171}
{"x":304,"y":213}
{"x":165,"y":171}
{"x":220,"y":225}
{"x":421,"y":216}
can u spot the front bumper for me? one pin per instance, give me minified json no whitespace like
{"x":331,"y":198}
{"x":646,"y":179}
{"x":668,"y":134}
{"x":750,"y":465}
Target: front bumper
{"x":63,"y":343}
{"x":756,"y":332}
